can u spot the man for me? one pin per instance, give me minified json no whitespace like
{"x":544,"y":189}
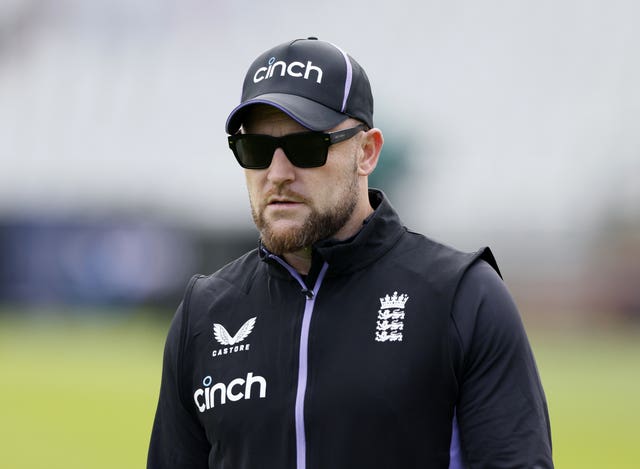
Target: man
{"x":344,"y":340}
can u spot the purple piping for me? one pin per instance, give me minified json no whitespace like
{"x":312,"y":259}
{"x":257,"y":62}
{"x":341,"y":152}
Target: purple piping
{"x":270,"y":103}
{"x":303,"y":358}
{"x":301,"y":440}
{"x":349,"y":77}
{"x":455,"y":451}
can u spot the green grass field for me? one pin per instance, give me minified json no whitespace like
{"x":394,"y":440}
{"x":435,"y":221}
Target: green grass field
{"x":82,"y":394}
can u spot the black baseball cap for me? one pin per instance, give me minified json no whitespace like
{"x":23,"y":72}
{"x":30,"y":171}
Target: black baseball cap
{"x":314,"y":82}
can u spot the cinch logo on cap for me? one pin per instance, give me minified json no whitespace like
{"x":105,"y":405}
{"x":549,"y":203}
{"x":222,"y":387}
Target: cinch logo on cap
{"x":294,"y":69}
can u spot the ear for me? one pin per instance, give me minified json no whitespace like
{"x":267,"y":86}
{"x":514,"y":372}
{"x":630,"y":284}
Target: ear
{"x":371,"y":145}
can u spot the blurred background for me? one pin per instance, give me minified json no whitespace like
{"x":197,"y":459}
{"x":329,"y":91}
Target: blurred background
{"x":508,"y":124}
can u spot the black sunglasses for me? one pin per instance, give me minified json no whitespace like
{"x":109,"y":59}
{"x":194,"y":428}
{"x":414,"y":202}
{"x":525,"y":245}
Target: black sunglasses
{"x":304,"y":149}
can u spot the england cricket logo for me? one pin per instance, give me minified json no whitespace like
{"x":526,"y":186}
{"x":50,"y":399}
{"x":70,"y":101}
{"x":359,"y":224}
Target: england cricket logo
{"x":224,"y":338}
{"x":391,"y":318}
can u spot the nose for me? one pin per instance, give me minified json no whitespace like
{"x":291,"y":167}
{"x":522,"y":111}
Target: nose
{"x":281,"y":170}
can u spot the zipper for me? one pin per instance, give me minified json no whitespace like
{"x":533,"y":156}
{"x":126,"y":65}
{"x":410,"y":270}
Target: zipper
{"x":303,"y":357}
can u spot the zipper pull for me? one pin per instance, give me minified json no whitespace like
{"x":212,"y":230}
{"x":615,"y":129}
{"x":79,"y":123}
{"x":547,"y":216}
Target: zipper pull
{"x":308,"y":293}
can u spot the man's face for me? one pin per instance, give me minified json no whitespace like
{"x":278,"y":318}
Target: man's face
{"x":295,"y":207}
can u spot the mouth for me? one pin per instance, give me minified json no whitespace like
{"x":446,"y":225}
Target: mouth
{"x":284,"y":204}
{"x":283,"y":201}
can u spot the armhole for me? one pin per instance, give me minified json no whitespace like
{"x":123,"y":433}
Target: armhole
{"x":184,"y":327}
{"x":458,"y":333}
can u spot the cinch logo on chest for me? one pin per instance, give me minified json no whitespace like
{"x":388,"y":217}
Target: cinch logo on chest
{"x":240,"y":388}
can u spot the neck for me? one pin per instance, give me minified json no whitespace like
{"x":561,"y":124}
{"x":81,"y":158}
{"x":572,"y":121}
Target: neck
{"x":299,"y":260}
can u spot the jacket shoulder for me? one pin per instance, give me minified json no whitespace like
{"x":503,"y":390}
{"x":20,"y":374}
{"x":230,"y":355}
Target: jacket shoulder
{"x":441,"y":259}
{"x":235,"y":278}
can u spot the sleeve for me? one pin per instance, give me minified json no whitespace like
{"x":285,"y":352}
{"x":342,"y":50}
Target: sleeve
{"x":178,"y":441}
{"x":501,"y":413}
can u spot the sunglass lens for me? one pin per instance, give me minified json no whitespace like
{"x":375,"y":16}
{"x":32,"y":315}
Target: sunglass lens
{"x":254,"y":151}
{"x":308,"y":150}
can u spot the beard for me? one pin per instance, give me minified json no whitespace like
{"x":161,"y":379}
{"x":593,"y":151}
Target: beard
{"x":317,"y":226}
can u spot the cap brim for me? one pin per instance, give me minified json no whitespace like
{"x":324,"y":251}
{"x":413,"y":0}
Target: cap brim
{"x":306,"y":112}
